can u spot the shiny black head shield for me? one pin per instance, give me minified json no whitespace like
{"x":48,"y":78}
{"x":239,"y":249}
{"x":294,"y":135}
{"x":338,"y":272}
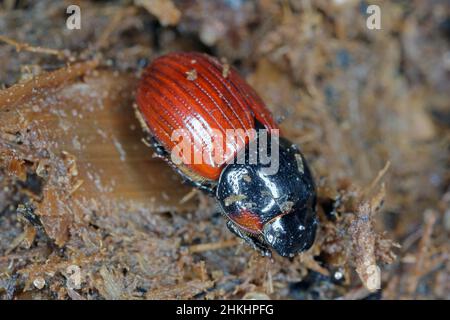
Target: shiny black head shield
{"x":283,"y":202}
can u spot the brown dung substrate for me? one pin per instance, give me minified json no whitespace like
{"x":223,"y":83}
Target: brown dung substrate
{"x":83,"y":198}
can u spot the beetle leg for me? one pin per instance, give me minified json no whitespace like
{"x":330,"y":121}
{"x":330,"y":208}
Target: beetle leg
{"x":162,"y":153}
{"x":208,"y":189}
{"x":158,"y":147}
{"x":252,"y":241}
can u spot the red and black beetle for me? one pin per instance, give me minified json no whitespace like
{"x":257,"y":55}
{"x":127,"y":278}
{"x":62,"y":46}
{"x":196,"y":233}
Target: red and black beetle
{"x":196,"y":93}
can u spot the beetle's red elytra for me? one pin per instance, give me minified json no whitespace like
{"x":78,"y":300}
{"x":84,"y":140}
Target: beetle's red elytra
{"x":195,"y":93}
{"x":189,"y":91}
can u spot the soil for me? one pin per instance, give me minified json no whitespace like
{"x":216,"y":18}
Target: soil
{"x":87,"y":211}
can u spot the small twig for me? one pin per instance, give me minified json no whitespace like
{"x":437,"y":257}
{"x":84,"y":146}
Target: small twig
{"x":411,"y":239}
{"x":189,"y":196}
{"x":22,"y":46}
{"x":76,"y":186}
{"x":363,"y":240}
{"x":15,"y":243}
{"x":45,"y":80}
{"x":104,"y":39}
{"x":74,"y":295}
{"x":269,"y":280}
{"x":377,"y":179}
{"x":424,"y":244}
{"x":308,"y":260}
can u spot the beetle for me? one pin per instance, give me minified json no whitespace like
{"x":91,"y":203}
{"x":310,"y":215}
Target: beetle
{"x":200,"y":95}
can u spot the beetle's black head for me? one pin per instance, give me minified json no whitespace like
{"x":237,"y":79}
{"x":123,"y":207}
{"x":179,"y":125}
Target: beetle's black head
{"x":291,"y":233}
{"x":279,"y":205}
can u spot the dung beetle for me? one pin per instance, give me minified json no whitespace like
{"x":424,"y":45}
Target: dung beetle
{"x":201,"y":97}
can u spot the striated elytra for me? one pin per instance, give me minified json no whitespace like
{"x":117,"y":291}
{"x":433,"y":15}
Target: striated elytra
{"x":194,"y":101}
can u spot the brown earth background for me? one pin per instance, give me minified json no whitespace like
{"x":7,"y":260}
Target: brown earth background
{"x":82,"y":196}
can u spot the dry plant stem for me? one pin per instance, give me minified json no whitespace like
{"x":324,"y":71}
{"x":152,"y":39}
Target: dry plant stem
{"x":364,"y":249}
{"x":74,"y":295}
{"x":189,"y":196}
{"x":379,"y":176}
{"x":364,"y":239}
{"x":47,"y":80}
{"x":165,"y":10}
{"x":308,"y":260}
{"x":424,"y":244}
{"x":411,"y":239}
{"x":269,"y":279}
{"x":77,"y":185}
{"x":20,"y":46}
{"x":104,"y":39}
{"x":309,"y":65}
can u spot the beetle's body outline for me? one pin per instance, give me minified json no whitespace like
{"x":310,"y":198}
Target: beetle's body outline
{"x":191,"y":91}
